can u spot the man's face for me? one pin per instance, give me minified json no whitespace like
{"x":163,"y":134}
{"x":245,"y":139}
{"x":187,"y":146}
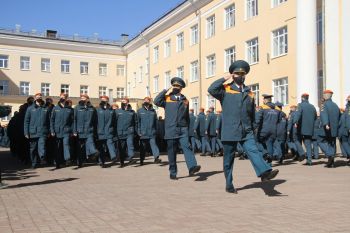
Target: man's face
{"x":176,"y":86}
{"x":63,"y":97}
{"x":147,"y":101}
{"x":83,"y":98}
{"x":124,"y":101}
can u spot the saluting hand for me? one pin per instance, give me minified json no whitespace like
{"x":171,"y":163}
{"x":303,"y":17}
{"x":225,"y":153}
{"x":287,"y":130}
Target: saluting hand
{"x":227,"y":77}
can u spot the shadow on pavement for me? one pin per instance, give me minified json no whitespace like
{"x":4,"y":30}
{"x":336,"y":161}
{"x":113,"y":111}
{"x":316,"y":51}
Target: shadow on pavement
{"x":268,"y":187}
{"x":40,"y":183}
{"x":202,"y":176}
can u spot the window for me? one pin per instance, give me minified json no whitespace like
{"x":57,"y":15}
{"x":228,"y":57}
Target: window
{"x":65,"y":89}
{"x":4,"y":61}
{"x":45,"y":89}
{"x":255,"y":89}
{"x":230,"y":57}
{"x":120,"y":70}
{"x":84,"y":67}
{"x":251,"y":8}
{"x":4,"y":87}
{"x":103,"y":69}
{"x":167,"y":80}
{"x":120,"y":92}
{"x":102,"y":91}
{"x":280,"y":90}
{"x":195,"y":104}
{"x":211,"y":65}
{"x":167,"y":48}
{"x":134,"y":83}
{"x":211,"y":26}
{"x":319,"y":29}
{"x":194,"y":35}
{"x":65,"y":65}
{"x":141,"y":73}
{"x":230,"y":17}
{"x":277,"y":2}
{"x":24,"y":88}
{"x":25,"y":63}
{"x":84,"y":89}
{"x":280,"y":42}
{"x":45,"y":64}
{"x":180,"y":42}
{"x":211,"y":102}
{"x":156,"y":84}
{"x":147,"y":65}
{"x":194,"y":71}
{"x":155,"y":54}
{"x":180,"y":72}
{"x":253,"y":51}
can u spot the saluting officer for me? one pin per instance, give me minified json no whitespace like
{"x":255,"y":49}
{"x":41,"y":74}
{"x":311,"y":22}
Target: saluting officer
{"x":36,"y":129}
{"x":211,"y":130}
{"x":176,"y":126}
{"x":330,"y":115}
{"x":106,"y":130}
{"x":61,"y":127}
{"x":200,"y":128}
{"x":305,"y":119}
{"x":85,"y":122}
{"x":238,"y":111}
{"x":147,"y":130}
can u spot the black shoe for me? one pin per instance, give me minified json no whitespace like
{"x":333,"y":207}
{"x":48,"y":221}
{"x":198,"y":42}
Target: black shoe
{"x":301,"y":158}
{"x":202,"y":154}
{"x":141,"y":163}
{"x":57,"y":166}
{"x":348,"y":162}
{"x":68,"y":163}
{"x":330,"y":163}
{"x":157,"y":160}
{"x":102,"y":165}
{"x":114,"y":160}
{"x":296,"y":158}
{"x":308,"y":163}
{"x":131,"y":162}
{"x":280,"y":161}
{"x":95,"y":156}
{"x":231,"y":190}
{"x":173,"y":177}
{"x":269,"y":175}
{"x":194,"y":170}
{"x":122,"y":165}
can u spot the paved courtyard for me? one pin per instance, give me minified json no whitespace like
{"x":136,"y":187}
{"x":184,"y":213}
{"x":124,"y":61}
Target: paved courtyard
{"x":144,"y":199}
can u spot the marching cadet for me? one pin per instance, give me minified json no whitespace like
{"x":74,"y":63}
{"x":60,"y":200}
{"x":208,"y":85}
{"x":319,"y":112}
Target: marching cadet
{"x":279,"y":146}
{"x":84,"y":128}
{"x":330,"y":120}
{"x":218,"y":132}
{"x":105,"y":130}
{"x":346,"y":138}
{"x":211,"y":130}
{"x":305,"y":119}
{"x":192,"y":134}
{"x":238,"y":111}
{"x":126,"y":129}
{"x":36,"y":129}
{"x":267,"y":120}
{"x":176,"y":126}
{"x":294,"y":135}
{"x":61,"y":127}
{"x":342,"y":135}
{"x":200,"y":128}
{"x":147,"y":130}
{"x":51,"y":141}
{"x":318,"y":131}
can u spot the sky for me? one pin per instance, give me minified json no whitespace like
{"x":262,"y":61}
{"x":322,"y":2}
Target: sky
{"x":108,"y":18}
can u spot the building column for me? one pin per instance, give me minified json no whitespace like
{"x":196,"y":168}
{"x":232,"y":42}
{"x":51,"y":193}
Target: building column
{"x":307,"y":50}
{"x":345,"y":49}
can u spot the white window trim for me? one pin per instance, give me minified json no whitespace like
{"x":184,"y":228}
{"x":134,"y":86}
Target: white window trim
{"x":102,"y":68}
{"x":156,"y":48}
{"x":155,"y":90}
{"x":225,"y":61}
{"x":29,"y":91}
{"x":182,"y":48}
{"x":87,"y":65}
{"x":246,"y":10}
{"x":29,"y":64}
{"x":168,"y":41}
{"x":273,"y":89}
{"x":207,"y":66}
{"x":191,"y":76}
{"x":65,"y":65}
{"x":246,"y":52}
{"x":272,"y":44}
{"x":207,"y":36}
{"x":234,"y":17}
{"x":8,"y":61}
{"x":41,"y":62}
{"x":191,"y":35}
{"x":41,"y":87}
{"x":68,"y":88}
{"x":87,"y":92}
{"x":278,"y":4}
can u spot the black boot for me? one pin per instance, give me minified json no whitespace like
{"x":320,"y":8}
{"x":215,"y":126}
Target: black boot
{"x":330,"y":163}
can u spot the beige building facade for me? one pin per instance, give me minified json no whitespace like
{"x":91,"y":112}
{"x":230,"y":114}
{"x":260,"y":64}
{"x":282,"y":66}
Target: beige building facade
{"x":293,"y":46}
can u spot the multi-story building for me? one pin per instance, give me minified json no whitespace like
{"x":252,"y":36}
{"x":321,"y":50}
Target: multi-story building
{"x":293,"y":46}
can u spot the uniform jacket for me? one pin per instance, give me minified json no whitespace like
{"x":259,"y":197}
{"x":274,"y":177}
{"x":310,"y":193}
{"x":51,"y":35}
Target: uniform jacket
{"x":147,"y":122}
{"x":218,"y":125}
{"x":126,"y":122}
{"x":330,"y":115}
{"x":37,"y":121}
{"x":305,"y":118}
{"x":347,"y":117}
{"x":267,"y":120}
{"x":318,"y":129}
{"x":211,"y":124}
{"x":61,"y":121}
{"x":281,"y":133}
{"x":105,"y":122}
{"x":191,"y":128}
{"x":201,"y":124}
{"x":238,"y":110}
{"x":85,"y":120}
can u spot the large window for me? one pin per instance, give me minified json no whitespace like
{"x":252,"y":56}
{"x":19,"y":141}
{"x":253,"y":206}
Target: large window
{"x":211,"y":65}
{"x":277,"y":2}
{"x":194,"y":75}
{"x":84,"y":67}
{"x":230,"y":16}
{"x":84,"y":89}
{"x":45,"y":89}
{"x":25,"y":63}
{"x":211,"y":26}
{"x":255,"y":89}
{"x":4,"y":61}
{"x":195,"y":104}
{"x":65,"y":66}
{"x":155,"y":54}
{"x":251,"y":8}
{"x":253,"y":51}
{"x":140,"y":74}
{"x":211,"y":102}
{"x":103,"y":69}
{"x":24,"y":88}
{"x":120,"y":70}
{"x":194,"y":35}
{"x":319,"y":28}
{"x":180,"y":72}
{"x":280,"y":90}
{"x":156,"y":84}
{"x":167,"y":79}
{"x":180,"y":42}
{"x":120,"y":92}
{"x":230,"y":57}
{"x":280,"y":42}
{"x":102,"y":91}
{"x":65,"y":89}
{"x":45,"y":64}
{"x":4,"y":87}
{"x":167,"y":47}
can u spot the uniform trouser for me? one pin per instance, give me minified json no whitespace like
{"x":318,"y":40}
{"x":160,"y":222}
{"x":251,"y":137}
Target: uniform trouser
{"x":145,"y":144}
{"x":195,"y":143}
{"x":37,"y":147}
{"x":254,"y":155}
{"x":299,"y":148}
{"x":62,"y":147}
{"x":328,"y":146}
{"x":212,"y":140}
{"x":219,"y":145}
{"x":130,"y":146}
{"x":106,"y":146}
{"x":86,"y":148}
{"x":345,"y":142}
{"x":122,"y":147}
{"x":172,"y":151}
{"x":278,"y":148}
{"x":267,"y":143}
{"x":315,"y":150}
{"x":205,"y":144}
{"x":307,"y":142}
